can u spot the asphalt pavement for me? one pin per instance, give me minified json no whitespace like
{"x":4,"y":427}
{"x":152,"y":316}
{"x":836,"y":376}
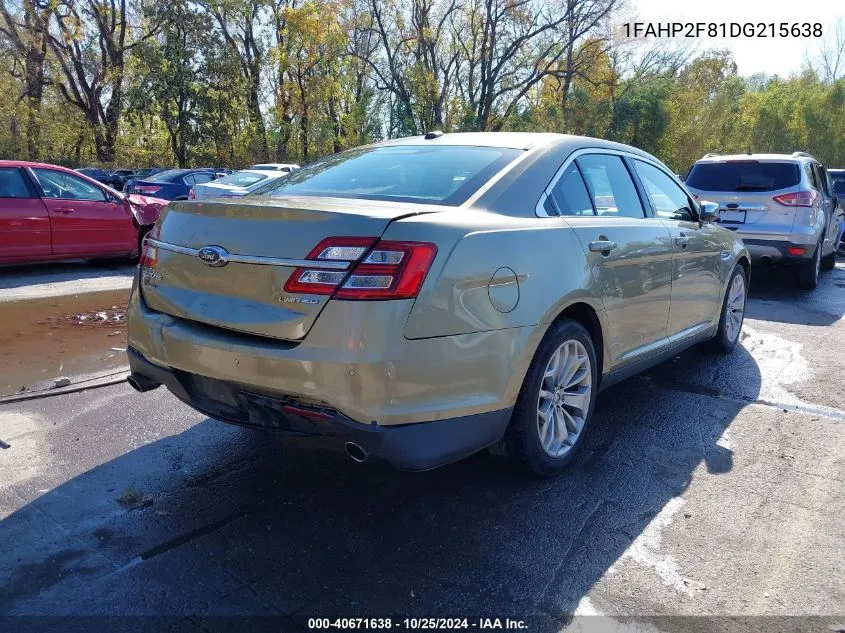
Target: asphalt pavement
{"x":710,"y":486}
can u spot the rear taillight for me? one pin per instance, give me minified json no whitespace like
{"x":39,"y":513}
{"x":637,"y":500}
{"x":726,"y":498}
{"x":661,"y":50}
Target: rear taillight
{"x":379,"y":269}
{"x":192,"y":195}
{"x":146,"y":190}
{"x":797,"y":199}
{"x":149,"y":255}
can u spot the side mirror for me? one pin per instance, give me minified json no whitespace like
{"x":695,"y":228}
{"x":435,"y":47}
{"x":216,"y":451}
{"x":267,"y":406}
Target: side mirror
{"x":709,"y":211}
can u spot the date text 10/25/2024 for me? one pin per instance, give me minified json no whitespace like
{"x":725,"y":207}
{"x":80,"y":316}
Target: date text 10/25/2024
{"x":415,"y":624}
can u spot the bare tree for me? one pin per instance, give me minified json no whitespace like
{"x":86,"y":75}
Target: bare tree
{"x":28,"y":39}
{"x":413,"y":57}
{"x":90,"y":40}
{"x":240,"y":22}
{"x":831,"y":58}
{"x":509,"y":46}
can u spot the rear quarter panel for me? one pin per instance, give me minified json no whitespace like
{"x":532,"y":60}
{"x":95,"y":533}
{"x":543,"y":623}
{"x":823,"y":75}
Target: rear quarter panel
{"x":477,"y":247}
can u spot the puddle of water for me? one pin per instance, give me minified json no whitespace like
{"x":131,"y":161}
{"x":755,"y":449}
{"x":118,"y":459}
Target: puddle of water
{"x":43,"y":339}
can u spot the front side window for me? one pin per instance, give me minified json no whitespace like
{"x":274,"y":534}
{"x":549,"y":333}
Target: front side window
{"x":58,"y":184}
{"x":570,"y":194}
{"x":610,"y":185}
{"x":668,"y":199}
{"x":434,"y":174}
{"x":12,"y":183}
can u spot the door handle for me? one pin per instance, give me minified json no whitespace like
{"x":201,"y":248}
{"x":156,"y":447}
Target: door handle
{"x":682,"y":241}
{"x":63,"y":210}
{"x":602,"y":246}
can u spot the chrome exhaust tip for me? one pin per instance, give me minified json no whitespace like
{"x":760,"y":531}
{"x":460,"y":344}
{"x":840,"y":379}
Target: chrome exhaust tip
{"x":357,"y":452}
{"x":141,"y":383}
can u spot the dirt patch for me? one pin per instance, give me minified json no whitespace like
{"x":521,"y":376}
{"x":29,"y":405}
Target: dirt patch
{"x":45,"y":339}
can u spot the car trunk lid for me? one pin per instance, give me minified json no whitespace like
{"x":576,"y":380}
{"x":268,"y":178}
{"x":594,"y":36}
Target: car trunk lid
{"x":265,"y":239}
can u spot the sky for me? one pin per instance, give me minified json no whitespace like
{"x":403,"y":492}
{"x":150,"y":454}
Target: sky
{"x":781,"y":56}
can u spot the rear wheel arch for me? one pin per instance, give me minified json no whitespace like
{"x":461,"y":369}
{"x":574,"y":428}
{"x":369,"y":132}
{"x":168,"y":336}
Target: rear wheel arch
{"x":585,"y":315}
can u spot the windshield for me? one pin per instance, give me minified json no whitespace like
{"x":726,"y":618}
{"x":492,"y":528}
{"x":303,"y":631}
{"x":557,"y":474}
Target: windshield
{"x":745,"y":175}
{"x":241,"y":179}
{"x":168,"y":175}
{"x":440,"y":174}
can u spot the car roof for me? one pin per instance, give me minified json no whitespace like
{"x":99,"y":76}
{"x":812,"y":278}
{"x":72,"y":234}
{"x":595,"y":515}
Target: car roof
{"x":512,"y":140}
{"x":272,"y":165}
{"x":722,"y":158}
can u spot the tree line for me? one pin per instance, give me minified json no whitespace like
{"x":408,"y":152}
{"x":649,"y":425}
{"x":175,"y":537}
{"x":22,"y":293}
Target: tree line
{"x":232,"y":82}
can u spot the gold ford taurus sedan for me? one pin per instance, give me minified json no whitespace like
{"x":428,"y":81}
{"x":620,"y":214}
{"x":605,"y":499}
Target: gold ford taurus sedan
{"x":426,"y":298}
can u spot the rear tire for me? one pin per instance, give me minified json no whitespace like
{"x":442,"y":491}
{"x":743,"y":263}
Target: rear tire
{"x":555,"y":405}
{"x":733,"y":312}
{"x":808,"y":271}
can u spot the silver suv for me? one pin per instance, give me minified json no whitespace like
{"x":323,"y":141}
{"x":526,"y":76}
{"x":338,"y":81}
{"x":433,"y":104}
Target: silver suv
{"x":782,"y":206}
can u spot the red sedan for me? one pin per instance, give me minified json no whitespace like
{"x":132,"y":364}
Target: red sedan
{"x":49,"y":212}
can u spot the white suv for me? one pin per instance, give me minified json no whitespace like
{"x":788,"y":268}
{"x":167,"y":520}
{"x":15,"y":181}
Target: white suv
{"x":781,"y":205}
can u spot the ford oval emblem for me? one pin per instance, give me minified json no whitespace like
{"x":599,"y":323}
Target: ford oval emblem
{"x":215,"y":256}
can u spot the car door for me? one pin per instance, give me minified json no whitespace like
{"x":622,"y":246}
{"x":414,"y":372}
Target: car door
{"x":24,"y":220}
{"x":85,"y":218}
{"x":629,"y":255}
{"x":696,"y":285}
{"x":824,"y":189}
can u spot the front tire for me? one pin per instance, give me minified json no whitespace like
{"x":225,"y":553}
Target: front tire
{"x":555,"y":406}
{"x":733,"y":312}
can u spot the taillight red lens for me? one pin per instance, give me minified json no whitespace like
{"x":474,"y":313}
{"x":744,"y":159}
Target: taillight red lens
{"x":795,"y":250}
{"x":192,"y":195}
{"x":146,"y":190}
{"x":314,"y":280}
{"x":149,"y":255}
{"x":797,"y":199}
{"x":390,"y":270}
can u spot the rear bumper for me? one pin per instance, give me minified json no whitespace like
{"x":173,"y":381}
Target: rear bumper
{"x":419,"y":446}
{"x":777,"y":251}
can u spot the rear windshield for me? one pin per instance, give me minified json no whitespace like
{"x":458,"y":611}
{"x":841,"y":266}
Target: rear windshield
{"x":168,"y":175}
{"x":241,"y":179}
{"x":746,"y":175}
{"x":441,"y":174}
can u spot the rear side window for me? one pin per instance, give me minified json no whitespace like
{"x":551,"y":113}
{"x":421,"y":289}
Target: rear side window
{"x":12,"y":183}
{"x":570,"y":195}
{"x":437,"y":174}
{"x":202,"y":178}
{"x":610,"y":186}
{"x":743,"y":175}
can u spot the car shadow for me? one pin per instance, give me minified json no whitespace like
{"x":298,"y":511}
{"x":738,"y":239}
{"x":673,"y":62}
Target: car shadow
{"x":221,"y":521}
{"x":774,"y":295}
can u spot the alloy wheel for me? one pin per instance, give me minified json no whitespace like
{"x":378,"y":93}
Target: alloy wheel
{"x":564,"y":399}
{"x":735,"y":308}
